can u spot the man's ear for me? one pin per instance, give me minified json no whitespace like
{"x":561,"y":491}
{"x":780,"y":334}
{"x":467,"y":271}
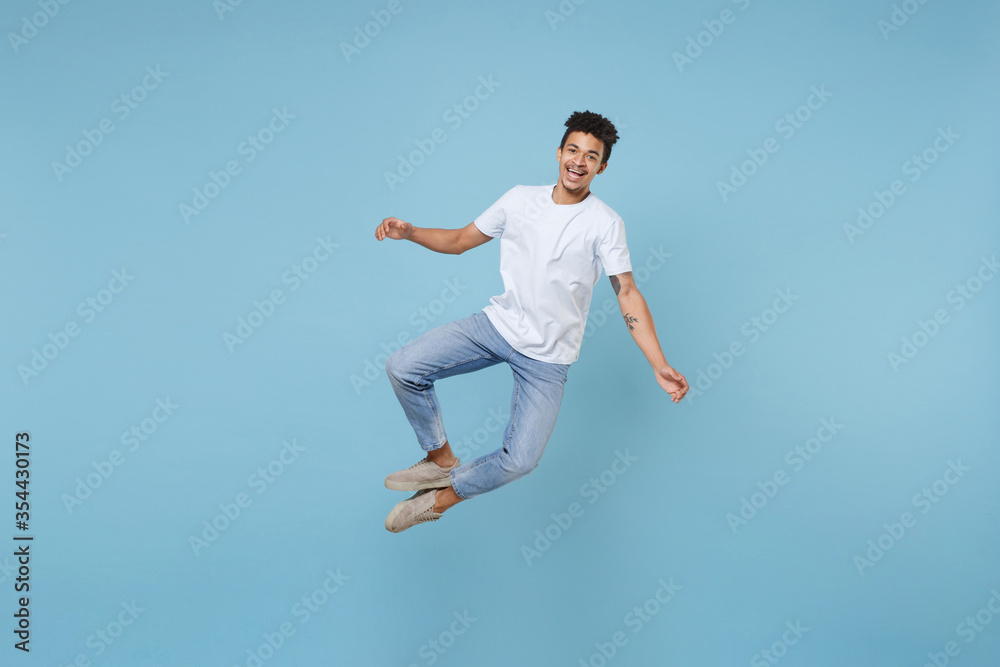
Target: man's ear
{"x":601,"y":170}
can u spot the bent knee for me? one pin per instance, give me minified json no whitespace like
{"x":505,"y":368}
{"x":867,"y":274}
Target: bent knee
{"x":519,"y":467}
{"x":395,"y":365}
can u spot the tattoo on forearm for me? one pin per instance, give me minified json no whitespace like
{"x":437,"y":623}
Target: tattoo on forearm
{"x":629,"y":319}
{"x":616,"y":284}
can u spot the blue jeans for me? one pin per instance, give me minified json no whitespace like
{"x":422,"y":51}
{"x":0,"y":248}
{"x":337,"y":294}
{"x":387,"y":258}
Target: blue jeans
{"x":463,"y":346}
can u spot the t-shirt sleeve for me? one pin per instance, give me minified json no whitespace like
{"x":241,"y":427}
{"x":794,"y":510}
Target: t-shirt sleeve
{"x":613,"y":250}
{"x":494,"y":219}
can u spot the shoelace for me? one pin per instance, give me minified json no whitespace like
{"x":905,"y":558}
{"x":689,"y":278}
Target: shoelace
{"x":425,"y":515}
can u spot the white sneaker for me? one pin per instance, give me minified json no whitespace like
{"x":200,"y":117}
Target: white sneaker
{"x":418,"y":508}
{"x":423,"y":474}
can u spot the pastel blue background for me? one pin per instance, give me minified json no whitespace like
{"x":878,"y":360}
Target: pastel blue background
{"x":324,"y":176}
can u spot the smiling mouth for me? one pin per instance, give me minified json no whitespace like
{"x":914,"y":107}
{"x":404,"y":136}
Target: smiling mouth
{"x":573,"y":174}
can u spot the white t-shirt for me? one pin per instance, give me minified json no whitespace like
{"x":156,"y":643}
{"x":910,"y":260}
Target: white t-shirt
{"x":551,"y":256}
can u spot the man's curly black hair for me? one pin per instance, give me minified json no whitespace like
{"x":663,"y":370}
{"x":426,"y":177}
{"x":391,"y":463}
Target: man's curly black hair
{"x":595,"y":124}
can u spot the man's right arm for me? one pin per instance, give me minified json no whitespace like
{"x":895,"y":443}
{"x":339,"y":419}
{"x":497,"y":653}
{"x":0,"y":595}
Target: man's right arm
{"x":447,"y":241}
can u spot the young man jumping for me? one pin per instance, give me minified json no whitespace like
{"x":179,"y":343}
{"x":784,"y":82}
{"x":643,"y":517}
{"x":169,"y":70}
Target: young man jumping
{"x":554,"y":242}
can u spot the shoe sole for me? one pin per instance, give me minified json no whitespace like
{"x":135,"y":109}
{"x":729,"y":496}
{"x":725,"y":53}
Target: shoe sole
{"x":417,"y":486}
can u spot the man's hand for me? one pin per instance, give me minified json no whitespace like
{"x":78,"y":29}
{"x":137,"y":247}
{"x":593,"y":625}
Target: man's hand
{"x":672,"y":382}
{"x":394,"y":228}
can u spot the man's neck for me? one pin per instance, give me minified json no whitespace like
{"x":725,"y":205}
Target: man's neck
{"x":563,"y":197}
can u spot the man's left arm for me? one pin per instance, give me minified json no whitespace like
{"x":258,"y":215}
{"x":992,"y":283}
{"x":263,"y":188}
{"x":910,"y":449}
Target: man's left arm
{"x":640,"y":325}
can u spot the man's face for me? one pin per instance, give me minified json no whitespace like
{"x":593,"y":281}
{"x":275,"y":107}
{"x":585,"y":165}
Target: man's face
{"x":579,"y":161}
